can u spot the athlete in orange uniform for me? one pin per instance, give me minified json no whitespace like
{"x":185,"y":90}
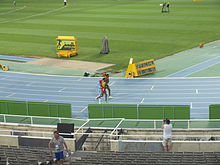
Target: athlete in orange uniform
{"x":107,"y":86}
{"x":102,"y":84}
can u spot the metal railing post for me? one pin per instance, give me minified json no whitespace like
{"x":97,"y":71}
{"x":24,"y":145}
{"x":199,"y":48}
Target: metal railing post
{"x":31,"y":120}
{"x":188,"y":124}
{"x":27,"y":108}
{"x":4,"y":118}
{"x":137,"y":111}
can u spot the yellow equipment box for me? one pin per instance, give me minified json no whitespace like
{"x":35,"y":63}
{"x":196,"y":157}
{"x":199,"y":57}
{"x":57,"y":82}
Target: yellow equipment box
{"x":67,"y":46}
{"x":140,"y":68}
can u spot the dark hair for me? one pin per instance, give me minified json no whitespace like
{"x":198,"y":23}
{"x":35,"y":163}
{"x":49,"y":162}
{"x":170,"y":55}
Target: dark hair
{"x":56,"y":132}
{"x":167,"y":121}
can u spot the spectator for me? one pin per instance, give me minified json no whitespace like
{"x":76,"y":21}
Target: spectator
{"x":59,"y":144}
{"x":65,"y":2}
{"x":14,"y":3}
{"x":167,"y":135}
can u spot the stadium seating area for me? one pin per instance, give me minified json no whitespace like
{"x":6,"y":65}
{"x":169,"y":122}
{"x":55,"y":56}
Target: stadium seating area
{"x":22,"y":155}
{"x":32,"y":156}
{"x":156,"y":158}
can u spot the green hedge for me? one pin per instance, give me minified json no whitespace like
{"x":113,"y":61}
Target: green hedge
{"x":35,"y":108}
{"x":133,"y":111}
{"x":214,"y":111}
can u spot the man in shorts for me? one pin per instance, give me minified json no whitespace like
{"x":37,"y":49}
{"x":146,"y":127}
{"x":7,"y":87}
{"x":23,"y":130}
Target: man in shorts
{"x":167,"y":135}
{"x":102,"y":84}
{"x":58,"y":142}
{"x":107,"y":86}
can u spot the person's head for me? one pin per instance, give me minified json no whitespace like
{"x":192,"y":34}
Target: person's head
{"x":167,"y":121}
{"x":56,"y":134}
{"x":103,"y":74}
{"x":107,"y":75}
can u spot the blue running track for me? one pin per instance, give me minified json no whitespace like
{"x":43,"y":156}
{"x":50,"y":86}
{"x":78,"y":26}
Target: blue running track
{"x":199,"y":93}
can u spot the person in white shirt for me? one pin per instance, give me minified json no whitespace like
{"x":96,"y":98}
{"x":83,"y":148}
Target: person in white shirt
{"x":167,"y":134}
{"x":65,"y":2}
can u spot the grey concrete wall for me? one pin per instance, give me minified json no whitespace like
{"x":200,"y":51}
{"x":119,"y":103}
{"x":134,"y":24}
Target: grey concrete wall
{"x":156,"y":146}
{"x":9,"y":140}
{"x":141,"y":146}
{"x":200,"y":146}
{"x":32,"y":141}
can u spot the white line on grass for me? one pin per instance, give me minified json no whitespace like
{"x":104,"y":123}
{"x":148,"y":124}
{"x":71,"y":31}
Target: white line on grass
{"x":34,"y":15}
{"x":8,"y":12}
{"x":83,"y":109}
{"x":45,"y":101}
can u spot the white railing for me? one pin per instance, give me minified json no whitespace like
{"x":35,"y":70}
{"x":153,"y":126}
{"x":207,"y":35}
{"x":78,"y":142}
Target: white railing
{"x":118,"y":123}
{"x":47,"y":134}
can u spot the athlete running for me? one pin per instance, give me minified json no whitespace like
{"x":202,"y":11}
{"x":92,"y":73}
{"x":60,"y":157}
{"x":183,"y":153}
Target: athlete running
{"x":107,"y":86}
{"x":102,"y":84}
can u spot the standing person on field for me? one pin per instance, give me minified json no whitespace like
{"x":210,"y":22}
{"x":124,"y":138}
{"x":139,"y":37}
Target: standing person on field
{"x":14,"y":3}
{"x":58,"y":142}
{"x":65,"y":2}
{"x":167,"y":134}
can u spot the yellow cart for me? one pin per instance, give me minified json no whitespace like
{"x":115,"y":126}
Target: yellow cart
{"x":67,"y":46}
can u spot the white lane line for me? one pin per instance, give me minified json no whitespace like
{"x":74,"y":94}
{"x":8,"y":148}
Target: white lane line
{"x":199,"y":113}
{"x":197,"y":91}
{"x":29,"y":84}
{"x":99,"y":101}
{"x":11,"y":95}
{"x":142,"y":100}
{"x":113,"y":82}
{"x":191,"y":105}
{"x":61,"y":89}
{"x":195,"y":66}
{"x":4,"y":78}
{"x":152,"y":87}
{"x":14,"y":74}
{"x":83,"y":109}
{"x":80,"y":79}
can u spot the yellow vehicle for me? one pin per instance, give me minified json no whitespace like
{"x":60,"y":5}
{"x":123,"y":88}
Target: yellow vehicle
{"x":140,"y":68}
{"x":67,"y":46}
